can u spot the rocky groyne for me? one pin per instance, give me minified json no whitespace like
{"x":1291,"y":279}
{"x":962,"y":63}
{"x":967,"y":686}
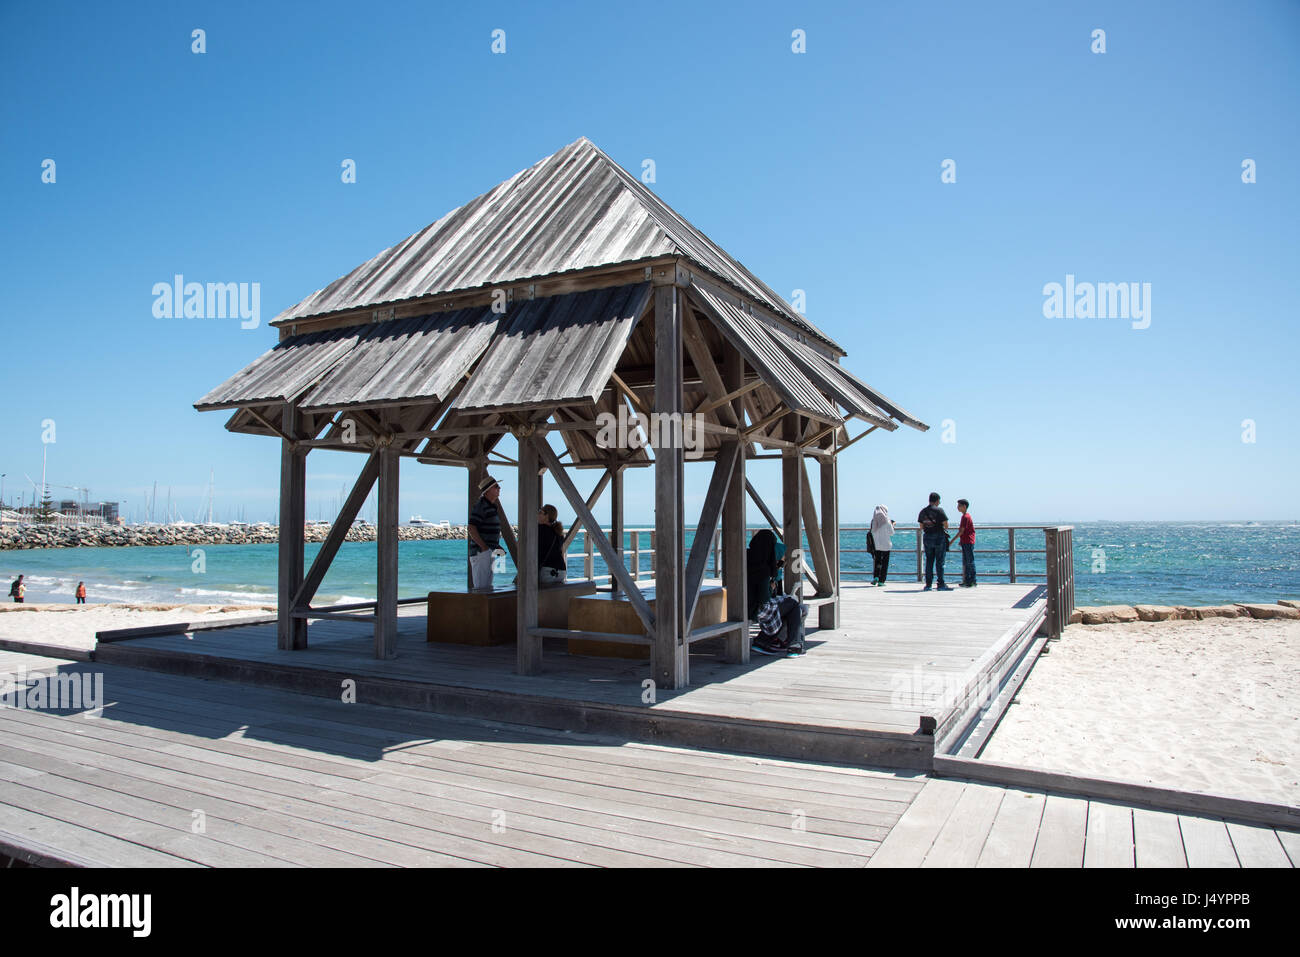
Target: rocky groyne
{"x":1286,"y":609}
{"x":114,"y":536}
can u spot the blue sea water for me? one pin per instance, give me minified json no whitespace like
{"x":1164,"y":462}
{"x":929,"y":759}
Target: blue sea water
{"x":1189,"y":563}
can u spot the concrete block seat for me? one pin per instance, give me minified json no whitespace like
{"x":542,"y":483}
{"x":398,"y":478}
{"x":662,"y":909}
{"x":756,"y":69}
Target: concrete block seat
{"x":489,"y":617}
{"x":614,"y":614}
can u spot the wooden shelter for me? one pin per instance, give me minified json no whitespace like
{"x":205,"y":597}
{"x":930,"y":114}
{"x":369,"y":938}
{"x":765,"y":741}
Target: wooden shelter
{"x":538,"y":309}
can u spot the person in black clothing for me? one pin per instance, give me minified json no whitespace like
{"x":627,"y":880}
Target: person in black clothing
{"x":760,"y":564}
{"x":934,"y":526}
{"x":551,"y":566}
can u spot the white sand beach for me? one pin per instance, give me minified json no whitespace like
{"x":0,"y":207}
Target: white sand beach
{"x":74,"y":626}
{"x":1194,"y":705}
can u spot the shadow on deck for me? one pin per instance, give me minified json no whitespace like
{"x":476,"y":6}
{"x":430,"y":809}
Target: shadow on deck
{"x":905,"y":669}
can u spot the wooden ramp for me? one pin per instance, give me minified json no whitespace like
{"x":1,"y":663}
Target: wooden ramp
{"x":967,"y":824}
{"x":904,"y":664}
{"x":189,"y":772}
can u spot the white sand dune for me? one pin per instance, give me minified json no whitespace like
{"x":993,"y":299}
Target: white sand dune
{"x":1209,"y":706}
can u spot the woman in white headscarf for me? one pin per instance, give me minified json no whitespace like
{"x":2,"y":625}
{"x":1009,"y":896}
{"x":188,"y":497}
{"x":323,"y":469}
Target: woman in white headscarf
{"x":882,"y":530}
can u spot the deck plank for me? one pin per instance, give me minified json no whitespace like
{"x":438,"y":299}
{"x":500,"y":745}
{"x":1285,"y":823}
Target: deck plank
{"x":961,"y":840}
{"x":911,"y":838}
{"x":1257,"y":846}
{"x":1011,"y":839}
{"x":1109,"y":840}
{"x":1157,"y":839}
{"x":1206,"y":842}
{"x":1062,"y":832}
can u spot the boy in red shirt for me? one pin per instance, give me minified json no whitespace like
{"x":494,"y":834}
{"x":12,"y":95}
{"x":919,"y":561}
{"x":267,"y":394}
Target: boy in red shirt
{"x":966,"y":534}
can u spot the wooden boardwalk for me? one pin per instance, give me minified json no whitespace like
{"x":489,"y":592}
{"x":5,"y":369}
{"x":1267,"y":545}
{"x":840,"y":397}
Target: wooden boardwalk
{"x":280,"y":779}
{"x":182,"y":771}
{"x":967,"y":824}
{"x":858,"y":696}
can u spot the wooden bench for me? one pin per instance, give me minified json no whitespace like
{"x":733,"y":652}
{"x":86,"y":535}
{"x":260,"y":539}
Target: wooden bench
{"x":490,"y":617}
{"x":613,"y":614}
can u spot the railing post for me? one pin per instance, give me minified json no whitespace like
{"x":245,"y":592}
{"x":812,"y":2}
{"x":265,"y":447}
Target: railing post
{"x":1011,"y":550}
{"x":588,"y":567}
{"x":636,"y":554}
{"x":717,"y":537}
{"x":920,"y":572}
{"x":1053,"y":584}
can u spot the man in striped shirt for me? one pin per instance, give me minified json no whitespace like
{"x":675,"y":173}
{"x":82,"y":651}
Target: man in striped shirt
{"x":484,"y":532}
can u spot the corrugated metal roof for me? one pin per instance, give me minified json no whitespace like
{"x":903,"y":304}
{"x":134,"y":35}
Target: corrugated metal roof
{"x":406,"y":360}
{"x":763,"y":352}
{"x":556,"y":350}
{"x":831,"y":379}
{"x":576,"y":209}
{"x":288,"y":370}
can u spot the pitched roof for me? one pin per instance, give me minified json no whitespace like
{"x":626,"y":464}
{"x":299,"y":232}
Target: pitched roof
{"x":576,"y":209}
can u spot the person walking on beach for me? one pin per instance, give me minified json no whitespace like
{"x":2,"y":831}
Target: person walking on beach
{"x":882,"y":528}
{"x":81,"y":593}
{"x":934,"y":526}
{"x":17,"y":589}
{"x":966,"y":536}
{"x":484,"y":531}
{"x":551,"y":566}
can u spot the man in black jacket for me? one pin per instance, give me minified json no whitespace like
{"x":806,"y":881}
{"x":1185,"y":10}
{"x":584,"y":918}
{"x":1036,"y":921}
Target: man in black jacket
{"x":934,"y":527}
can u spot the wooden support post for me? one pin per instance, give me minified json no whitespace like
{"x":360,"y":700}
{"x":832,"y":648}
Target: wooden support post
{"x":616,"y":519}
{"x":670,"y":654}
{"x":1011,"y":553}
{"x":791,"y":508}
{"x":390,"y":460}
{"x":636,"y":554}
{"x":291,"y":632}
{"x":477,"y":469}
{"x":724,"y":467}
{"x":813,"y":532}
{"x":528,"y":657}
{"x":734,"y":577}
{"x":828,"y":615}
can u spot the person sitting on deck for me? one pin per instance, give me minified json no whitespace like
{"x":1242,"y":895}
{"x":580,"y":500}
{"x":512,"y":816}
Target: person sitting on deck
{"x":484,"y":531}
{"x":780,"y":626}
{"x":760,"y":562}
{"x":934,"y":523}
{"x":551,"y":566}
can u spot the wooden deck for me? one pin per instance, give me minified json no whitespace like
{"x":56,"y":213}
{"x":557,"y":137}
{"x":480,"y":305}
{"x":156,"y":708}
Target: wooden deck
{"x":968,"y":824}
{"x":184,"y":772}
{"x":859,"y":696}
{"x":280,"y":779}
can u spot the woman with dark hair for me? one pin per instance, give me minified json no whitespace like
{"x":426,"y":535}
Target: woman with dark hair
{"x":551,"y":566}
{"x":760,"y":562}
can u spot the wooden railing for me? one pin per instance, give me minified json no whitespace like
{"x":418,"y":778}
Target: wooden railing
{"x":1057,"y":552}
{"x":1011,"y":572}
{"x":1060,"y":577}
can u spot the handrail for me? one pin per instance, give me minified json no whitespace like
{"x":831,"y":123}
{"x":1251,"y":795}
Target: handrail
{"x":1057,"y":552}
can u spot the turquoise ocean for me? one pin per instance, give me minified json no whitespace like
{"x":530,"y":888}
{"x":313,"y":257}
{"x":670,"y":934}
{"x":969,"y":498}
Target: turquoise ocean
{"x":1187,"y":563}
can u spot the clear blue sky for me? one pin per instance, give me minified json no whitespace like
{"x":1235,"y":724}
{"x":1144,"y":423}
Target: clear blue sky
{"x":819,"y":171}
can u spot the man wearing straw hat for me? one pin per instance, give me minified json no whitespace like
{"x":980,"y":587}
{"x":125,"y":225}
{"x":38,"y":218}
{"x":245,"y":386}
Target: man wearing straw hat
{"x":484,"y":532}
